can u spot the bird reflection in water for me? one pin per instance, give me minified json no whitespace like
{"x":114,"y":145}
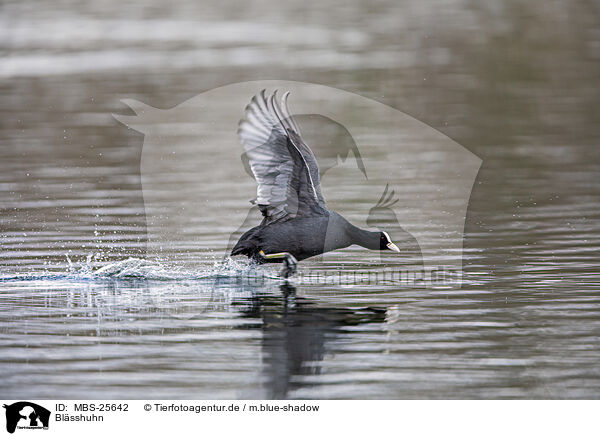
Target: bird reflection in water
{"x":295,"y":334}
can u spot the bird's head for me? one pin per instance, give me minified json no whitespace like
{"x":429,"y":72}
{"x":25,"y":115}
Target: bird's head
{"x":385,"y":243}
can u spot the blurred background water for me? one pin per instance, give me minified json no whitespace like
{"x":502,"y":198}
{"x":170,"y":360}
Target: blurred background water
{"x":515,"y":82}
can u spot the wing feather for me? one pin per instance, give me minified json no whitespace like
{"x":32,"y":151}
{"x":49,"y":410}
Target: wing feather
{"x":283,"y":165}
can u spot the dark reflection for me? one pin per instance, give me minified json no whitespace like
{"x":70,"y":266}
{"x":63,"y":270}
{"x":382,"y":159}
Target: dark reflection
{"x":296,"y":333}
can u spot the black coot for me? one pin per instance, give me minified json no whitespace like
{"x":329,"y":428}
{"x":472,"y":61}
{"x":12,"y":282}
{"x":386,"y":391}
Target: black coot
{"x":296,"y":222}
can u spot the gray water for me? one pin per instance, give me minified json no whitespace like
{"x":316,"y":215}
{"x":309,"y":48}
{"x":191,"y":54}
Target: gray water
{"x":83,"y":315}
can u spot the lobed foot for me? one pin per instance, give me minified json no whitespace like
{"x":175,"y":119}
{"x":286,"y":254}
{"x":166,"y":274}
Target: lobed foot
{"x":290,"y":264}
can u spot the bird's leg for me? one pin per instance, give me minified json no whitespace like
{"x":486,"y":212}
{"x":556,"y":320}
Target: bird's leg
{"x":290,"y":265}
{"x":289,"y":261}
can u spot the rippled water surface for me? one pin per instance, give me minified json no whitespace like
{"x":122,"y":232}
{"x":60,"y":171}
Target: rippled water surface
{"x":86,"y":313}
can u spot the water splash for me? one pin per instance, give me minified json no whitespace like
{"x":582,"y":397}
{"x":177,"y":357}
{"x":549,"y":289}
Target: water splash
{"x":143,"y":269}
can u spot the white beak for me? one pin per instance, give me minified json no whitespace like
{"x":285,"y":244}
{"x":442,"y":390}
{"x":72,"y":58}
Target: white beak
{"x":393,"y":247}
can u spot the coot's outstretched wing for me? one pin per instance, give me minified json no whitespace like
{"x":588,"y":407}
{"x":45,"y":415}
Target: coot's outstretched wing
{"x":284,"y":166}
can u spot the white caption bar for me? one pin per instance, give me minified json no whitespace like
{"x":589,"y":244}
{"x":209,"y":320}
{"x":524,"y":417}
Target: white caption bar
{"x":182,"y":417}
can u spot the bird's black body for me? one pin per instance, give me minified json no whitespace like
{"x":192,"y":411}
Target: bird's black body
{"x":291,"y":236}
{"x":305,"y":237}
{"x":296,"y":222}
